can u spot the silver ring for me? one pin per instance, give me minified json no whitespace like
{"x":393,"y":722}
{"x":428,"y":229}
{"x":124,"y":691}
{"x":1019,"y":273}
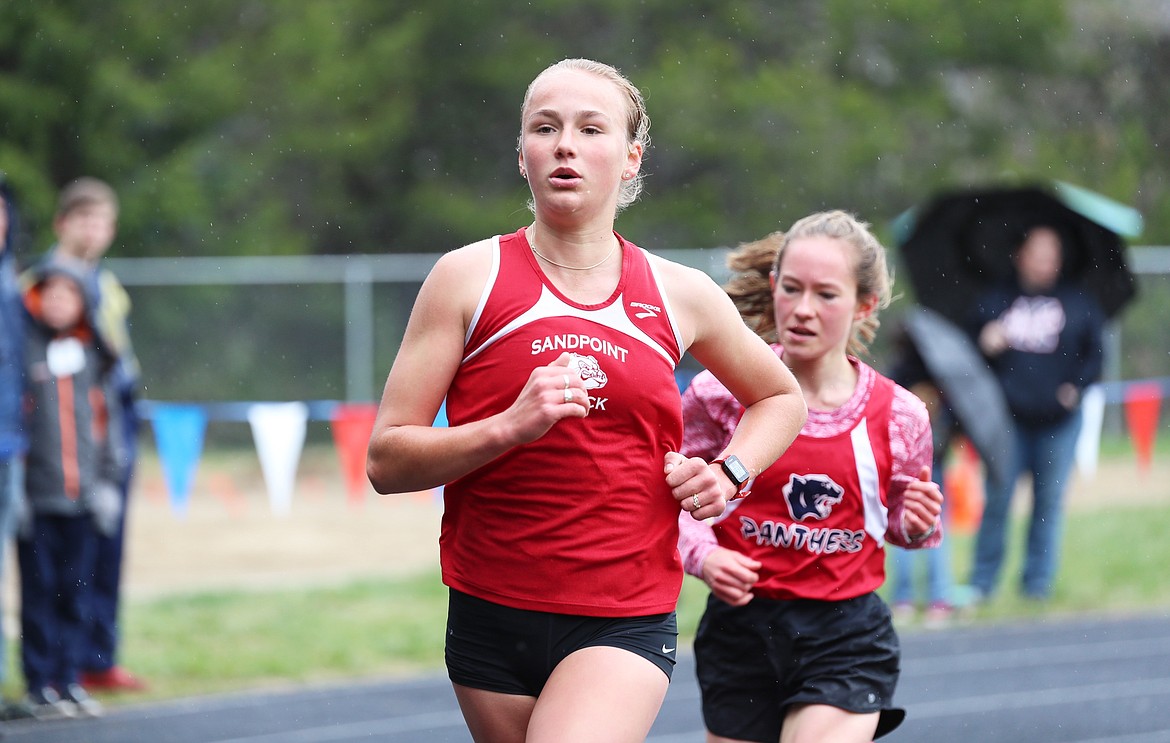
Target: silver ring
{"x":695,"y":500}
{"x":568,"y":395}
{"x":566,"y":383}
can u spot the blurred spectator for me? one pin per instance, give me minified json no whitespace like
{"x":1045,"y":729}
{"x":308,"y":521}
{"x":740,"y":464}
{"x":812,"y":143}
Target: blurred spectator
{"x":12,"y":439}
{"x":934,"y":563}
{"x":1043,"y":339}
{"x":86,"y":224}
{"x":69,"y":482}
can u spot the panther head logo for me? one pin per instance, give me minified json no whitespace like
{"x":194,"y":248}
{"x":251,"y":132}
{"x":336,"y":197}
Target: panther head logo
{"x":589,"y":370}
{"x":811,"y":496}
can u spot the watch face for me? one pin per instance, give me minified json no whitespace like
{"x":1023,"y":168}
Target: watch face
{"x":736,"y":471}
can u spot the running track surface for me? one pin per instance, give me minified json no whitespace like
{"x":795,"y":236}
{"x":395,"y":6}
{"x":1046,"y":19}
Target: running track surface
{"x":1100,"y":680}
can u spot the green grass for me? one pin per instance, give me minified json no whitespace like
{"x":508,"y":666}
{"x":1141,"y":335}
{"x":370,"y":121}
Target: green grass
{"x":1114,"y":560}
{"x":214,"y":641}
{"x":219,"y":641}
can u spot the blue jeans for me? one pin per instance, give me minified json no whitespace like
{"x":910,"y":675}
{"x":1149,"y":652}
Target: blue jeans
{"x":937,"y":561}
{"x":56,"y":572}
{"x":1047,"y":453}
{"x":100,"y":646}
{"x":11,"y":491}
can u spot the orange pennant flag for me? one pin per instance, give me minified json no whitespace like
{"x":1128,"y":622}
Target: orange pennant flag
{"x":1143,"y":403}
{"x":352,"y":425}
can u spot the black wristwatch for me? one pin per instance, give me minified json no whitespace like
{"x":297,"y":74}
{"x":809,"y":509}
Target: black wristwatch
{"x":738,"y":473}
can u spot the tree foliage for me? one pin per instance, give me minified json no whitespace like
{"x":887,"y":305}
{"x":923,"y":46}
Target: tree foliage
{"x":383,"y":125}
{"x":257,"y":127}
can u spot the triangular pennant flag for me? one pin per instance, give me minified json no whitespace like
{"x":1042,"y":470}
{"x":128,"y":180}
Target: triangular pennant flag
{"x":1143,"y":403}
{"x":1092,"y":419}
{"x":278,"y":430}
{"x":352,"y":425}
{"x":178,"y":434}
{"x":441,"y":422}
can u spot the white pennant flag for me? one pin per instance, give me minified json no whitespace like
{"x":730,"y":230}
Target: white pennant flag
{"x":278,"y":430}
{"x":1089,"y":440}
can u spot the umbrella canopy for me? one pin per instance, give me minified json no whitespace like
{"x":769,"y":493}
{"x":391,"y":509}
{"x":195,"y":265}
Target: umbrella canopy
{"x":967,"y":383}
{"x":962,"y":241}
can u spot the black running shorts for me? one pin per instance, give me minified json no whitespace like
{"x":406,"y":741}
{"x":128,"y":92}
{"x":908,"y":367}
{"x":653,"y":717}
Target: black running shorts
{"x":514,"y":651}
{"x":755,"y":661}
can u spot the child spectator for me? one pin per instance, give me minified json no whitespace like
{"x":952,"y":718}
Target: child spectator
{"x":911,"y":373}
{"x":70,"y":476}
{"x":86,"y":223}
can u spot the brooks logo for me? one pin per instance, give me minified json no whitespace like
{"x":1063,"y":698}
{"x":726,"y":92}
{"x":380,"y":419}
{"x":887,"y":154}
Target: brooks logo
{"x":648,"y":310}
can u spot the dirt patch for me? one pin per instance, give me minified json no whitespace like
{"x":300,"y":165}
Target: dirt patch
{"x":229,"y":537}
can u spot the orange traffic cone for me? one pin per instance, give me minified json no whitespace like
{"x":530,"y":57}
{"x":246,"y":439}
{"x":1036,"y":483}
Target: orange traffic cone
{"x":963,"y":488}
{"x":1143,"y":403}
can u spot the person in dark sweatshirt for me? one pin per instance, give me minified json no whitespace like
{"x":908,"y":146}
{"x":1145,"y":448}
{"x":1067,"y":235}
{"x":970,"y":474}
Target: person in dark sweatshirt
{"x":1043,"y":338}
{"x":70,"y":475}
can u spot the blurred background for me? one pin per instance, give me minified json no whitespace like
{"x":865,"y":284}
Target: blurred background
{"x":352,"y":141}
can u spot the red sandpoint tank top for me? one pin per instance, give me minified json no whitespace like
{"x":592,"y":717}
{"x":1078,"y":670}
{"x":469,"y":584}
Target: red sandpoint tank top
{"x":580,"y":521}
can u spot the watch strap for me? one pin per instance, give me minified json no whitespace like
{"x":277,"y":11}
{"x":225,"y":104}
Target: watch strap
{"x":741,"y":486}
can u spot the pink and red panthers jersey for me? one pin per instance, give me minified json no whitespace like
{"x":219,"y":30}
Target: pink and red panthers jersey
{"x":817,"y":518}
{"x":580,"y":521}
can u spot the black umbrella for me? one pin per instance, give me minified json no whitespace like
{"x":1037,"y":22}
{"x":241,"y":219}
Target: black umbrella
{"x":962,"y":241}
{"x":968,"y":385}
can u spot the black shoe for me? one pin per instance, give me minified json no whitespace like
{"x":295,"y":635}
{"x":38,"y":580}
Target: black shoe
{"x":47,"y":704}
{"x":85,"y":705}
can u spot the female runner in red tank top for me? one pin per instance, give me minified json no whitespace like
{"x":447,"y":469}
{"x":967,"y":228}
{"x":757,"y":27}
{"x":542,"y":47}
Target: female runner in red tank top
{"x":555,"y":349}
{"x":795,"y":645}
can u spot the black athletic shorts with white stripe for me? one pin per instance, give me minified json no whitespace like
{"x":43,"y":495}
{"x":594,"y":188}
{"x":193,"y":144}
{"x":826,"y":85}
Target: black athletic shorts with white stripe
{"x":514,"y":651}
{"x":754,"y":662}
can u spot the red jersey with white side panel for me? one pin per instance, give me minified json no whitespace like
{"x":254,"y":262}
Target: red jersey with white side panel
{"x":821,"y":524}
{"x":580,"y":521}
{"x":819,"y":517}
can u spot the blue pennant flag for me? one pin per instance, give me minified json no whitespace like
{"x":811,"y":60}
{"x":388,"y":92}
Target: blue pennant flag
{"x":178,"y":433}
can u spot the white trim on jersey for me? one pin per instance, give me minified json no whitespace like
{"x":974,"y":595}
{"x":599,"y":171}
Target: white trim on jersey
{"x":549,"y":305}
{"x":487,"y":290}
{"x":665,"y":299}
{"x":876,"y":515}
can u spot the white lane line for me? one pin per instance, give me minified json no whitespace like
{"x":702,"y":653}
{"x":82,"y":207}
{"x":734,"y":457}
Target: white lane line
{"x":989,"y":660}
{"x":1155,"y":736}
{"x":1061,"y":696}
{"x":352,"y":730}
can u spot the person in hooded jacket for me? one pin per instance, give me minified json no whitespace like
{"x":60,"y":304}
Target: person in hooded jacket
{"x":12,"y":438}
{"x":70,"y":474}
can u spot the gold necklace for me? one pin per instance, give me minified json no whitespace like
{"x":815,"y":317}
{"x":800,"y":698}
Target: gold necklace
{"x":532,"y":244}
